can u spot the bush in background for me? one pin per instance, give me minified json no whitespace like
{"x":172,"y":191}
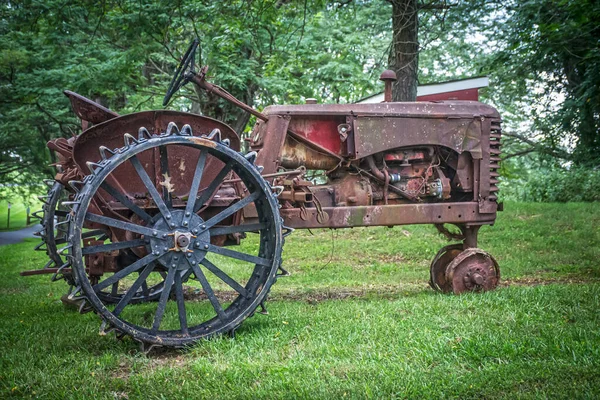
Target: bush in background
{"x":553,"y":184}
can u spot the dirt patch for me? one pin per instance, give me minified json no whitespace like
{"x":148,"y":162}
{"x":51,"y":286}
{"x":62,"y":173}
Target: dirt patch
{"x":166,"y":358}
{"x":123,"y":371}
{"x":7,"y":291}
{"x":537,"y":281}
{"x":528,"y":217}
{"x":195,"y":294}
{"x":380,"y":291}
{"x":314,"y":297}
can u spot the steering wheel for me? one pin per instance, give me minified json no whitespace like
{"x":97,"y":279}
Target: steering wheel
{"x":184,"y":73}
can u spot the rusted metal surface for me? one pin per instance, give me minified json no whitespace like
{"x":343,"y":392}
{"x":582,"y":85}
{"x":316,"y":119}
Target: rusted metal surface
{"x":442,"y":109}
{"x":376,"y":134}
{"x":295,"y":153}
{"x":268,"y":139}
{"x":319,"y":131}
{"x":385,"y":215}
{"x":439,"y":265}
{"x":89,"y":111}
{"x":473,"y":270}
{"x":388,"y":77}
{"x":110,"y":135}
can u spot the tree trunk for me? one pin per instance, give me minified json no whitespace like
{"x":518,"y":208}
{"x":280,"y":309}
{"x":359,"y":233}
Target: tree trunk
{"x":404,"y":52}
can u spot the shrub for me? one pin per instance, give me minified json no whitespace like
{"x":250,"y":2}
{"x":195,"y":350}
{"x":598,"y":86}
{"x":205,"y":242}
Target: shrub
{"x":559,"y":185}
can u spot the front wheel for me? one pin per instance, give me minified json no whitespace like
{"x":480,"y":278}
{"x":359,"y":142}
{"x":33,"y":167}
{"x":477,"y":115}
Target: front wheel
{"x":473,"y":270}
{"x":177,"y":236}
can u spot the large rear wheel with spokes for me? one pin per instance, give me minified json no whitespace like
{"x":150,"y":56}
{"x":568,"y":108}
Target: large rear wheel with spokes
{"x":176,"y":235}
{"x":53,"y":234}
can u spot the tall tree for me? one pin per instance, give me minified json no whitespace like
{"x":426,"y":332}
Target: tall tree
{"x":404,"y":50}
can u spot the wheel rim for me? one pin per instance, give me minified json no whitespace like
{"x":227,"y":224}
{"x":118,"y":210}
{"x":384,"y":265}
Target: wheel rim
{"x":177,"y":242}
{"x":438,"y":267}
{"x":55,"y":226}
{"x":473,"y":270}
{"x":54,"y":230}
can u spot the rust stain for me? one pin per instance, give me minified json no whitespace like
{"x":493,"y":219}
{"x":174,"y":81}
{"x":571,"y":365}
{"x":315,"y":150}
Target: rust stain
{"x":167,"y":183}
{"x":204,"y":142}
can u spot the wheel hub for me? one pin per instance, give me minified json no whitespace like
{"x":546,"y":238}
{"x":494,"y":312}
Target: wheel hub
{"x":182,"y":241}
{"x":473,"y":270}
{"x":187,"y":240}
{"x":474,"y":276}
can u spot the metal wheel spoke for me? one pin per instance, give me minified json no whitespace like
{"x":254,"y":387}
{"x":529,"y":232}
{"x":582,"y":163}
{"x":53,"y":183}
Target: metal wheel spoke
{"x":189,"y":208}
{"x":224,"y":277}
{"x":95,"y":232}
{"x":238,"y":255}
{"x":145,"y":290}
{"x":105,"y":248}
{"x":126,"y":202}
{"x":181,"y":304}
{"x":115,"y":223}
{"x":225,"y":230}
{"x":151,"y":188}
{"x":115,"y":289}
{"x":124,"y":272}
{"x":140,"y":281}
{"x":208,"y":290}
{"x":61,"y":213}
{"x":207,"y":193}
{"x":232,"y":209}
{"x":164,"y":170}
{"x":164,"y":297}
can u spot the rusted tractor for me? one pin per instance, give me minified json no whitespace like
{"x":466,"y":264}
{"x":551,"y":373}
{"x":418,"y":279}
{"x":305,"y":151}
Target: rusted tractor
{"x":145,"y":208}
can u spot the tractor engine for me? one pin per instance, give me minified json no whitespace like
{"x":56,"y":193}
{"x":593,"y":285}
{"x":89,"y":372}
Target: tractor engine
{"x":417,"y":172}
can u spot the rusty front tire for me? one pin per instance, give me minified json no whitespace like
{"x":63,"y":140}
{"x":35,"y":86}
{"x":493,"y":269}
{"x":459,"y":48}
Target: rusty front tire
{"x":437,"y":270}
{"x":473,"y":270}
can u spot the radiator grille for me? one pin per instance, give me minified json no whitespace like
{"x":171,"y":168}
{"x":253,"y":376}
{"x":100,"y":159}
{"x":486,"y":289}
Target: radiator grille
{"x":495,"y":136}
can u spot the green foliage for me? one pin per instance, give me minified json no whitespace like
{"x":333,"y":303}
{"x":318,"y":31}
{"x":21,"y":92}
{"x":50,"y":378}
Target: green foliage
{"x":122,"y":54}
{"x":562,"y":185}
{"x":544,"y":57}
{"x":542,"y":60}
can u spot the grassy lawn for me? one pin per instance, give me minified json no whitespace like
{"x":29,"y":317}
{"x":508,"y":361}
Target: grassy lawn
{"x":18,"y":215}
{"x":355,"y":320}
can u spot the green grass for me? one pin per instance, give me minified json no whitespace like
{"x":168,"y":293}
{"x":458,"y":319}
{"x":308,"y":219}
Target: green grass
{"x":358,"y":322}
{"x":18,"y":214}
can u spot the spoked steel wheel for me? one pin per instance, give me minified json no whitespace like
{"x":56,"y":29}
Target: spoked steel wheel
{"x":54,"y":223}
{"x":178,"y":234}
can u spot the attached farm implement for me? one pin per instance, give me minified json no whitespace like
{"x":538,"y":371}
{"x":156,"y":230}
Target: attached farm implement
{"x":147,"y":207}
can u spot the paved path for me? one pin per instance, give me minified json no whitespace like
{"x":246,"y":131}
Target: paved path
{"x":12,"y":237}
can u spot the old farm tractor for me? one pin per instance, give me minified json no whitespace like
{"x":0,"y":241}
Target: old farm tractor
{"x":146,"y":208}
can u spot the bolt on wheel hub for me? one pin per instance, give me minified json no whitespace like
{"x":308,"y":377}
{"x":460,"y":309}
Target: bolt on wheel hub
{"x":189,"y":242}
